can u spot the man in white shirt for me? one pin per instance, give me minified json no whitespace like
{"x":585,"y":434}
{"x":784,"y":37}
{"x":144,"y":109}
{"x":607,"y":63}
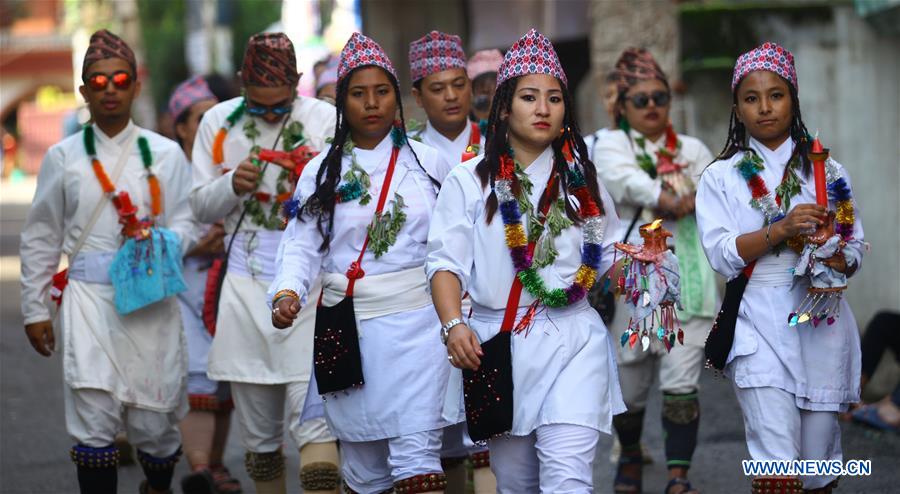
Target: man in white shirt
{"x":122,"y":371}
{"x":442,"y":88}
{"x":267,"y":367}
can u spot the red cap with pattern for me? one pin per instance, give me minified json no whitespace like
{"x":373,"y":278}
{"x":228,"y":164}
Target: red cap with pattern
{"x":269,"y":61}
{"x":103,"y":45}
{"x":532,"y":54}
{"x":193,"y":90}
{"x":484,"y":61}
{"x":361,"y":51}
{"x":435,"y":52}
{"x":769,"y":56}
{"x":635,"y":65}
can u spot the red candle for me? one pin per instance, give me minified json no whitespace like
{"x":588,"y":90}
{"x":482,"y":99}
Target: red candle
{"x":818,"y":156}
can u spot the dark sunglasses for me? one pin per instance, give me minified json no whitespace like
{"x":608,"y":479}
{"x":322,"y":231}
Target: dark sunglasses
{"x":258,"y":110}
{"x":641,"y":100}
{"x":121,"y":79}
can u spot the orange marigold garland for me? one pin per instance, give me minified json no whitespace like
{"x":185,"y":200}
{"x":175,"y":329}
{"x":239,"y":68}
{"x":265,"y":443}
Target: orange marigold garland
{"x":105,"y":183}
{"x":109,"y":188}
{"x":218,"y":151}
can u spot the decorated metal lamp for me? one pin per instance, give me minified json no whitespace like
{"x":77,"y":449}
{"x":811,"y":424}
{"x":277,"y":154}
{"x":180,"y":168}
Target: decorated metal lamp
{"x":822,"y":302}
{"x":650,"y":282}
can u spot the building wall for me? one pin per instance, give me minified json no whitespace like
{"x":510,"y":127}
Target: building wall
{"x":619,"y":25}
{"x":848,"y":75}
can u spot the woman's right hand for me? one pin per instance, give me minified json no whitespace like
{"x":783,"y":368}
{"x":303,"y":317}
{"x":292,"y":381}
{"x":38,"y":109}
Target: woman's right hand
{"x":285,"y":312}
{"x":802,"y":220}
{"x":463,"y":348}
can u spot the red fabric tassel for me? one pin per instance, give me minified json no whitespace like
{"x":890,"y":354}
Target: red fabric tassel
{"x":527,"y":319}
{"x":60,"y":280}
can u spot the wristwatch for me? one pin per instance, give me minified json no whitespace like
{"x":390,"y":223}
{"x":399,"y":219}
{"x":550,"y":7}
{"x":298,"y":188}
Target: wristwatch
{"x":445,"y":329}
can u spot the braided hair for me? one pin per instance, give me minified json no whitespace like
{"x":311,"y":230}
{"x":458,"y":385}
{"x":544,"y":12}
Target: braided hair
{"x":497,"y":144}
{"x":323,"y":200}
{"x":737,"y":131}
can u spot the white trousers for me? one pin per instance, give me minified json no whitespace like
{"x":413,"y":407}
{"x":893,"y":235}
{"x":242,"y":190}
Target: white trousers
{"x":777,"y":430}
{"x":373,"y":466}
{"x":556,"y":458}
{"x":260,"y":410}
{"x":94,"y":417}
{"x":455,"y":442}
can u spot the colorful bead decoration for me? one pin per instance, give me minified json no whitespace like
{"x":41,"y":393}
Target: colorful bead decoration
{"x":209,"y":403}
{"x":481,"y":459}
{"x":86,"y":456}
{"x":151,"y":462}
{"x":421,"y":483}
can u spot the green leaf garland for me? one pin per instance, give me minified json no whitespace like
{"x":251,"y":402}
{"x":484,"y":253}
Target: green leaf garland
{"x":385,"y":226}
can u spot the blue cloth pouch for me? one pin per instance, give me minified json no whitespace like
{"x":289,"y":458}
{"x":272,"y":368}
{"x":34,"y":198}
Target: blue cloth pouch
{"x":147,"y":271}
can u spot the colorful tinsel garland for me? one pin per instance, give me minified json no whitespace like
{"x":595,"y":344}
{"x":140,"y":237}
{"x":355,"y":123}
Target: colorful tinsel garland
{"x":517,"y":239}
{"x":764,"y":200}
{"x":839,"y":192}
{"x":761,"y":197}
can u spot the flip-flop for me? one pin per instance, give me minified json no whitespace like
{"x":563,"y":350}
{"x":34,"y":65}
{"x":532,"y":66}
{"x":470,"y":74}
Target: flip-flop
{"x":868,"y":415}
{"x":624,"y":484}
{"x":688,"y":488}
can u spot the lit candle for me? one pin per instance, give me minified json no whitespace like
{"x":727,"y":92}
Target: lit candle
{"x":818,"y":155}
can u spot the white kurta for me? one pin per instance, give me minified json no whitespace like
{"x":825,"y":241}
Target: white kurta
{"x":139,"y":358}
{"x":564,"y":369}
{"x":247,"y":348}
{"x":629,"y":185}
{"x":404,"y":362}
{"x":591,"y":141}
{"x":820,"y":365}
{"x":197,"y":336}
{"x":450,"y":150}
{"x":615,"y":155}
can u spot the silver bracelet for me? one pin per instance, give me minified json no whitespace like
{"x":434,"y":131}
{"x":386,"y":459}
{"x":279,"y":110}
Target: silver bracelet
{"x":445,"y":329}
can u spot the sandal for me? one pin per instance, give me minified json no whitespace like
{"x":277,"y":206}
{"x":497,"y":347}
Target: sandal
{"x":868,"y":415}
{"x":198,"y":482}
{"x":213,"y":480}
{"x":624,"y":484}
{"x":144,"y":488}
{"x":223,"y":481}
{"x":683,"y":482}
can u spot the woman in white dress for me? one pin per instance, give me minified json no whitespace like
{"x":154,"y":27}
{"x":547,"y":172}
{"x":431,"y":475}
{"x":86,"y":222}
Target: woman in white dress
{"x":755,"y":204}
{"x":378,"y":360}
{"x":552,"y":386}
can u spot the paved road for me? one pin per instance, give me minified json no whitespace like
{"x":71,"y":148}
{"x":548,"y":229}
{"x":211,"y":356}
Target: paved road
{"x":34,"y":445}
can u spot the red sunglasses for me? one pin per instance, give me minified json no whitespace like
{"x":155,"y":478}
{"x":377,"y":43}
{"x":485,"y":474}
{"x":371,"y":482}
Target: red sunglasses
{"x":121,"y":79}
